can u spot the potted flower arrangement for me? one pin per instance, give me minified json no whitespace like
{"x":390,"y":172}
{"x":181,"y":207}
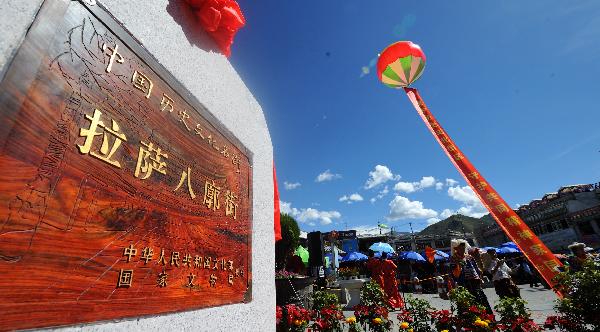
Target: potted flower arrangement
{"x":348,"y":273}
{"x":372,"y":312}
{"x":296,"y":318}
{"x":328,"y":313}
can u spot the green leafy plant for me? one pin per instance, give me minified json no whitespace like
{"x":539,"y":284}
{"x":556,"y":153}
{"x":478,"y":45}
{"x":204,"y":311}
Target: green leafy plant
{"x":329,"y":319}
{"x":290,"y":237}
{"x":322,"y":299}
{"x":468,"y":315}
{"x":579,"y":310}
{"x":416,"y":315}
{"x":371,"y":294}
{"x":514,"y":316}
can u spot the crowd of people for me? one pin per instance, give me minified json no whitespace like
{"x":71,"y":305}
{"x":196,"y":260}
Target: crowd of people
{"x":469,"y":267}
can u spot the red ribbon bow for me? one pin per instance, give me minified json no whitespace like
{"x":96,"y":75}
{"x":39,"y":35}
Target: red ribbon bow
{"x":221,"y":19}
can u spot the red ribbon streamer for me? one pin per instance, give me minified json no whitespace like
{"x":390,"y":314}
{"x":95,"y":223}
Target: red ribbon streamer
{"x":534,"y":250}
{"x":277,"y":215}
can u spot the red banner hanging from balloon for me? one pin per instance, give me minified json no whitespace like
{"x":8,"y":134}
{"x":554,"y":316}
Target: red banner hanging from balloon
{"x":536,"y":252}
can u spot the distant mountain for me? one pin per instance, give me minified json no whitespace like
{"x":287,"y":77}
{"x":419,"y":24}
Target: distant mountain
{"x":458,"y":223}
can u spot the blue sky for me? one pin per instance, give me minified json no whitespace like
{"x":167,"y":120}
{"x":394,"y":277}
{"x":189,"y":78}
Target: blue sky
{"x":515,"y":83}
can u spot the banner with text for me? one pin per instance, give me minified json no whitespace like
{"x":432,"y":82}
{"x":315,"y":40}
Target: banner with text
{"x":531,"y":246}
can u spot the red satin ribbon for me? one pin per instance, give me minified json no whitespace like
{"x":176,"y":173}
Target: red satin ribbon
{"x":221,"y":19}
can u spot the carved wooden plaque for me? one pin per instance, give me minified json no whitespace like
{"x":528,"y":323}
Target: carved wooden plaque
{"x":121,"y":195}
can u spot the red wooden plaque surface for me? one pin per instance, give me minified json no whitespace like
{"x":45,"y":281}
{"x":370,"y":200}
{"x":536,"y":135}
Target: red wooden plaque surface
{"x":121,"y":195}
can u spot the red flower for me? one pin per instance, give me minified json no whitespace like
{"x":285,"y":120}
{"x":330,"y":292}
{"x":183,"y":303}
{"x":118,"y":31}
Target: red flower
{"x":221,"y":19}
{"x":474,"y":309}
{"x":279,"y":314}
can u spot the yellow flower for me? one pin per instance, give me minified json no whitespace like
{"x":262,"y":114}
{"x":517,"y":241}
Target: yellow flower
{"x":351,"y":320}
{"x":404,"y":325}
{"x":297,"y":322}
{"x":377,"y":320}
{"x":410,"y":330}
{"x":444,"y":331}
{"x":479,"y":322}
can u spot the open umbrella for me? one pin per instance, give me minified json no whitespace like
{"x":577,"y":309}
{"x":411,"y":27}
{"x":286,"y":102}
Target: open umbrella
{"x":485,"y":249}
{"x":507,"y":250}
{"x":438,"y":255}
{"x":303,"y":253}
{"x":391,"y":256}
{"x":355,"y":256}
{"x":412,"y":255}
{"x":382,"y":247}
{"x":510,"y":245}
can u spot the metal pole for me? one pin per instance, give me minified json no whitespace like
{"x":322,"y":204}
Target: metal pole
{"x":413,"y":243}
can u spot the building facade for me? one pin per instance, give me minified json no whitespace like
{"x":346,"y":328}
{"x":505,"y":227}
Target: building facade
{"x":558,"y":219}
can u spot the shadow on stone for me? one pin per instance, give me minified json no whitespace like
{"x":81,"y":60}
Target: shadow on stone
{"x":183,"y":15}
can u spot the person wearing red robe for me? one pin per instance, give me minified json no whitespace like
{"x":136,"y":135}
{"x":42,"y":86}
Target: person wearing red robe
{"x":390,"y":283}
{"x":374,"y":266}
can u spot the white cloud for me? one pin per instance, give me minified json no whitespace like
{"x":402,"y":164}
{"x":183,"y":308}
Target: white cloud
{"x":439,"y":186}
{"x":352,"y":198}
{"x":410,"y":187}
{"x":432,"y":221}
{"x":426,"y":182}
{"x":309,"y":215}
{"x":447,"y":213}
{"x":451,"y":182}
{"x":405,"y":187}
{"x":291,"y":186}
{"x":381,"y":194}
{"x":403,"y":208}
{"x":473,"y":211}
{"x":380,"y":175}
{"x":464,"y":195}
{"x":327,"y":176}
{"x":472,"y":206}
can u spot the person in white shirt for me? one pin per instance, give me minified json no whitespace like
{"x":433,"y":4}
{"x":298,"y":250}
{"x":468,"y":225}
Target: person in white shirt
{"x":500,"y":272}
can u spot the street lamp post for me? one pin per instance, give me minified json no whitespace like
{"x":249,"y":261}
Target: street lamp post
{"x":413,"y":245}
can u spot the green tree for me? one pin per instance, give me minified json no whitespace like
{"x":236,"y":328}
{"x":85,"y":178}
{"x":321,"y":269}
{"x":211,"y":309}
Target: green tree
{"x":580,"y":305}
{"x":290,"y":235}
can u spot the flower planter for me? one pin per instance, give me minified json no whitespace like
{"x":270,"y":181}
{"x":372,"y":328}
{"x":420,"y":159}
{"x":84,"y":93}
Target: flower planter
{"x":293,"y":290}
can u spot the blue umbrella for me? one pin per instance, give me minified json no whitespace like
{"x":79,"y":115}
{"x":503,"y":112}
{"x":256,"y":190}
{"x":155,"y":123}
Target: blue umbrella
{"x":510,"y":245}
{"x":487,"y":248}
{"x":355,"y":256}
{"x":378,"y":255}
{"x":438,"y":256}
{"x":507,"y":250}
{"x":383,"y":247}
{"x":411,"y":255}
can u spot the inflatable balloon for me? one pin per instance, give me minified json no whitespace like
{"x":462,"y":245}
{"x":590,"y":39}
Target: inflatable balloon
{"x":400,"y":64}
